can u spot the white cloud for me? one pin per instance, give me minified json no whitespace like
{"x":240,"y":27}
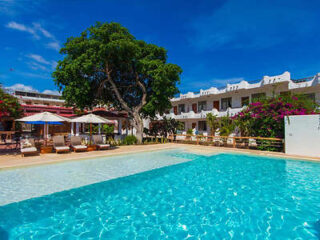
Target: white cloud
{"x":36,"y":30}
{"x":38,"y":58}
{"x":22,"y":28}
{"x":53,"y":92}
{"x":21,"y":87}
{"x":225,"y":81}
{"x":214,"y":82}
{"x":54,"y":45}
{"x":37,"y":66}
{"x":44,"y":32}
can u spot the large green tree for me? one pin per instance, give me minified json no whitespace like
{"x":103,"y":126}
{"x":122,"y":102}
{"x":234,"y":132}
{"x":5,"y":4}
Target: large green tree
{"x":106,"y":64}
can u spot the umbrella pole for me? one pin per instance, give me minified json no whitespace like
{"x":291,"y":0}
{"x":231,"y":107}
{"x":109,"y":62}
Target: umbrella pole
{"x":45,"y":134}
{"x":90,"y":133}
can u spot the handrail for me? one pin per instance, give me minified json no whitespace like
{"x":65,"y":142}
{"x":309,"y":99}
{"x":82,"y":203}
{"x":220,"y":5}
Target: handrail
{"x":209,"y":136}
{"x":273,"y":142}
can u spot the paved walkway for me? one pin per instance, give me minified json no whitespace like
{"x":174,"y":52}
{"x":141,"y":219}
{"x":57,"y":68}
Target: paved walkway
{"x":12,"y":161}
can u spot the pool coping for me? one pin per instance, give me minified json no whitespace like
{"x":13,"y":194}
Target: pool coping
{"x":11,"y":162}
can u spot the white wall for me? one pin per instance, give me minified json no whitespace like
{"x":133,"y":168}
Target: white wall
{"x":302,"y":135}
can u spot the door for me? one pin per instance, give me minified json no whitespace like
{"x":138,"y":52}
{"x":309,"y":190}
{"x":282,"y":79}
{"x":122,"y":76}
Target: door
{"x":175,"y":110}
{"x":194,"y":107}
{"x":194,"y":125}
{"x":216,"y":105}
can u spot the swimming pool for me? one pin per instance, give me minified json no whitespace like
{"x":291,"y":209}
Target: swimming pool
{"x":222,"y":196}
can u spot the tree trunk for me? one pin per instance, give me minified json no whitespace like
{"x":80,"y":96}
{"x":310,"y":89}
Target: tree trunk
{"x":138,"y":124}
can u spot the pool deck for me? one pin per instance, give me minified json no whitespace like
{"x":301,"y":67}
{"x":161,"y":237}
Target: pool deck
{"x":14,"y":161}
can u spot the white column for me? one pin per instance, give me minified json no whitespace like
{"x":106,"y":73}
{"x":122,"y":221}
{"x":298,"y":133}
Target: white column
{"x":72,"y":132}
{"x":120,"y":126}
{"x":77,"y":129}
{"x":99,"y":128}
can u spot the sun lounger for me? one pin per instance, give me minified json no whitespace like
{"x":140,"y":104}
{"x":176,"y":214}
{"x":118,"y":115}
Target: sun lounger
{"x":76,"y":144}
{"x":28,"y":147}
{"x":98,"y":141}
{"x":59,"y":144}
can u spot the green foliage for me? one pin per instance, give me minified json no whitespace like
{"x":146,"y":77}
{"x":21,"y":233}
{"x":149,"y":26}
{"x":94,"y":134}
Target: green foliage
{"x":226,"y":126}
{"x":190,"y":131}
{"x":105,"y":129}
{"x":130,"y":140}
{"x":107,"y":53}
{"x":213,"y":123}
{"x":9,"y":105}
{"x":265,"y":118}
{"x":165,"y":127}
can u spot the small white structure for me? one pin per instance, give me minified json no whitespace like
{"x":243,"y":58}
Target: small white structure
{"x":302,"y":135}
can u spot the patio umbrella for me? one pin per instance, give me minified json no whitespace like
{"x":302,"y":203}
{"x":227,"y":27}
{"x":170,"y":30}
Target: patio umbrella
{"x":44,"y":118}
{"x":91,"y":118}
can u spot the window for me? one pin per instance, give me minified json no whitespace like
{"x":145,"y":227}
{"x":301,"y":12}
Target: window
{"x":244,"y":101}
{"x":285,"y":93}
{"x":257,"y":96}
{"x":181,"y":108}
{"x":310,"y":96}
{"x":226,"y":103}
{"x":194,"y":107}
{"x":202,"y":106}
{"x":202,"y":126}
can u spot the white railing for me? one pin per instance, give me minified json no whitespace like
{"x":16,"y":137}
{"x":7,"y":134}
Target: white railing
{"x":203,"y":114}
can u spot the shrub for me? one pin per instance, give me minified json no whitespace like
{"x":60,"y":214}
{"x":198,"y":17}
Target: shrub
{"x":265,"y":118}
{"x":130,"y":140}
{"x":190,"y":131}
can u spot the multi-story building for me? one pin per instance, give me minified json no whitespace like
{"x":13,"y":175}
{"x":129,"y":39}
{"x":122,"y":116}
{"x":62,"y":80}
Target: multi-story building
{"x":35,"y":102}
{"x":191,"y":108}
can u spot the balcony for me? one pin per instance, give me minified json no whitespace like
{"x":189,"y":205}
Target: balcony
{"x":203,"y":114}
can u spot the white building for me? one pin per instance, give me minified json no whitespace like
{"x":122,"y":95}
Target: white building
{"x":191,"y":108}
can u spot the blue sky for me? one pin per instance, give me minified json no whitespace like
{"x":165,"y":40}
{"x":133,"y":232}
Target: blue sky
{"x":215,"y":42}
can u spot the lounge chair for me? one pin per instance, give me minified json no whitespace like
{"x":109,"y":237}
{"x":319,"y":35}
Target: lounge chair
{"x":59,"y":144}
{"x":76,"y":144}
{"x":28,"y":147}
{"x":98,"y":141}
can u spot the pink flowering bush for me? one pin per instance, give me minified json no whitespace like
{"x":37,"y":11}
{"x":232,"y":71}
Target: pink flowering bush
{"x":265,"y":118}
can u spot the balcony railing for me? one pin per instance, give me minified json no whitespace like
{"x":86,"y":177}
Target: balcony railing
{"x":203,"y":114}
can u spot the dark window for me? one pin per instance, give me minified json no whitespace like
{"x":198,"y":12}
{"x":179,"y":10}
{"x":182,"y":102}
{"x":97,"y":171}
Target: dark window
{"x":202,"y":106}
{"x":285,"y":93}
{"x":244,"y":101}
{"x":181,"y":108}
{"x":257,"y":96}
{"x":202,"y":126}
{"x":311,"y":96}
{"x":226,"y":103}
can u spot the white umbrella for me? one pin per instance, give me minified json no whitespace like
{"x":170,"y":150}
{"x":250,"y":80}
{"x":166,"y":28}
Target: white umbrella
{"x":91,"y":118}
{"x":44,"y":118}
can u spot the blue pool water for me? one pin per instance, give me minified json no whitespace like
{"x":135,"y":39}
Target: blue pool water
{"x":225,"y":196}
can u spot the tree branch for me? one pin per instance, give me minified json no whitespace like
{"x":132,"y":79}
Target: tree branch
{"x":116,"y":91}
{"x":144,"y":94}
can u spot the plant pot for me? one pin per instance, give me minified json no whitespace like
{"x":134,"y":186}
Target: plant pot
{"x":46,"y":149}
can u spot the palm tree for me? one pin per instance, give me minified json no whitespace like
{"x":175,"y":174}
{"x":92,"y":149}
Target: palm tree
{"x":213,"y":123}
